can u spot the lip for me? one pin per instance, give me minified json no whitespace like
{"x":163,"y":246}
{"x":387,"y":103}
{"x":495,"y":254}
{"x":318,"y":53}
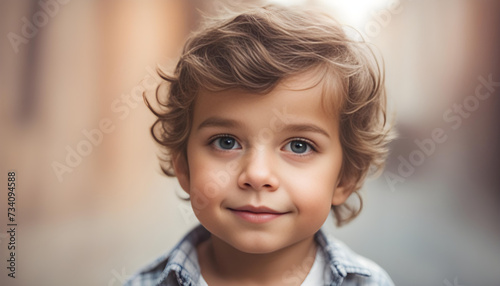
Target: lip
{"x":254,"y":214}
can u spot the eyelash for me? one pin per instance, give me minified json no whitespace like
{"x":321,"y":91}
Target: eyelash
{"x":308,"y":142}
{"x":213,"y":138}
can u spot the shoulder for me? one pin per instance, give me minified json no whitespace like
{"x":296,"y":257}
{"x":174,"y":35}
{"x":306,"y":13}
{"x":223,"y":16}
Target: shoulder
{"x":150,"y":274}
{"x":177,"y":267}
{"x":378,"y":276}
{"x":348,"y":266}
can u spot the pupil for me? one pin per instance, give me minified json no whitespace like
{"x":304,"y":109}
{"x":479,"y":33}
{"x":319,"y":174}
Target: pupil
{"x":227,"y":143}
{"x":298,"y":147}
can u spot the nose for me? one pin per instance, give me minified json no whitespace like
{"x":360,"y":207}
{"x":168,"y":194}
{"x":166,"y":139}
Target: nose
{"x":258,"y":172}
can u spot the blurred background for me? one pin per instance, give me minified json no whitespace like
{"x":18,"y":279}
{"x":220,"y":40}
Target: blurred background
{"x":92,"y":205}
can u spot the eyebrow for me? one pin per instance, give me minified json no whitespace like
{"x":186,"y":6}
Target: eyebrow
{"x":230,"y":123}
{"x":305,"y":128}
{"x":218,"y":122}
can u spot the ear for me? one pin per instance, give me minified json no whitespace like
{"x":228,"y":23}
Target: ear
{"x":344,"y":189}
{"x":181,"y":169}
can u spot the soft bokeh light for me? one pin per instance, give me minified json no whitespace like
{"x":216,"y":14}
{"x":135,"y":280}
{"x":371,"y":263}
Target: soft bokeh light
{"x":356,"y":12}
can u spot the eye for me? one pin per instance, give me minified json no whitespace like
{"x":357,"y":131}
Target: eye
{"x":225,"y":143}
{"x":299,"y":147}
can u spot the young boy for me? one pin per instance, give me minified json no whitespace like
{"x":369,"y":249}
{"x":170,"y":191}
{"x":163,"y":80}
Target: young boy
{"x":273,"y":118}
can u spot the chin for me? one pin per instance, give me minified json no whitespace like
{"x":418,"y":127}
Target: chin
{"x":256,"y":247}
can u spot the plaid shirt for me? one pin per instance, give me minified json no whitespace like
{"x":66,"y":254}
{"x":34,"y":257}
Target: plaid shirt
{"x":180,"y":266}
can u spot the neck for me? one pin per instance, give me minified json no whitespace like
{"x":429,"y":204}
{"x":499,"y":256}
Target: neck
{"x":222,"y":263}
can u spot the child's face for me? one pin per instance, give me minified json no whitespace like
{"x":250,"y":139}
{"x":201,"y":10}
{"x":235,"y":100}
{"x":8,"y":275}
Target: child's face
{"x":279,"y":152}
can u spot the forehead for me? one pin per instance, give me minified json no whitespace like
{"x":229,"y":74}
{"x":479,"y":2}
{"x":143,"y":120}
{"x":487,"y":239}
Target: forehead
{"x":306,"y":97}
{"x":316,"y":88}
{"x":322,"y":81}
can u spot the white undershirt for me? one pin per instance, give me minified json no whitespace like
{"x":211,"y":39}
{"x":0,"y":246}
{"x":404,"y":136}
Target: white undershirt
{"x":315,"y":276}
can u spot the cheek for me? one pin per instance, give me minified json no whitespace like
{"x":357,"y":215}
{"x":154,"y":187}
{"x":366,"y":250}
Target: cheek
{"x":313,"y":188}
{"x":209,"y":183}
{"x":315,"y":202}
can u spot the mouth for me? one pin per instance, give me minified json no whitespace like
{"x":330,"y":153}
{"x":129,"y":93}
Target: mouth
{"x":253,"y":214}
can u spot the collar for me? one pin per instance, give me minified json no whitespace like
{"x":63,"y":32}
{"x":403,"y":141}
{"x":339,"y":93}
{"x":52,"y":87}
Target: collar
{"x":341,"y":258}
{"x":182,"y":264}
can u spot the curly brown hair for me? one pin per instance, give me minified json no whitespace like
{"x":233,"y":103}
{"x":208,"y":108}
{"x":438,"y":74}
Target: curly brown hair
{"x":254,"y":51}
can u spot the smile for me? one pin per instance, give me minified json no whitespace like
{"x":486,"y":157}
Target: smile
{"x":256,"y":214}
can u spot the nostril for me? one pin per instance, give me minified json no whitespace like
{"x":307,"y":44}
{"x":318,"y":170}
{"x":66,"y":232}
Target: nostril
{"x":263,"y":186}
